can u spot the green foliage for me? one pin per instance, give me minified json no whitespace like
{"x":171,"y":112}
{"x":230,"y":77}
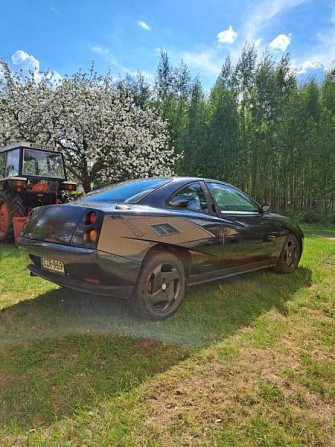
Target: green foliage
{"x":311,"y":217}
{"x":257,"y":128}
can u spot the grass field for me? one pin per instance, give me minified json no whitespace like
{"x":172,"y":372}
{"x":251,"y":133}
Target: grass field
{"x":248,"y":361}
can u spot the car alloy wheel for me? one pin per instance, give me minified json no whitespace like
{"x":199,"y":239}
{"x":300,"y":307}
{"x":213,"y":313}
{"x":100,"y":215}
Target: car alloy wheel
{"x":160,"y":287}
{"x":291,"y":253}
{"x":163,"y":286}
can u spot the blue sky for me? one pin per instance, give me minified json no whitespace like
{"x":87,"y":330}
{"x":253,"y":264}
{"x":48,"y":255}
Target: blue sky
{"x":63,"y":35}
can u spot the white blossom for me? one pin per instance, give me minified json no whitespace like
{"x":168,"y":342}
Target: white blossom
{"x":104,"y":136}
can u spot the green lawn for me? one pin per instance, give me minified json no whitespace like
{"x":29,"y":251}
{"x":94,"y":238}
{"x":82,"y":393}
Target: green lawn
{"x":248,"y":361}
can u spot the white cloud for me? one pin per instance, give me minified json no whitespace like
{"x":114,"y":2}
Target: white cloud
{"x":29,"y":64}
{"x":308,"y":65}
{"x":25,"y":62}
{"x":320,"y":55}
{"x":264,"y":12}
{"x":143,"y":25}
{"x":281,"y":42}
{"x":260,"y":15}
{"x":207,"y":60}
{"x":227,"y":36}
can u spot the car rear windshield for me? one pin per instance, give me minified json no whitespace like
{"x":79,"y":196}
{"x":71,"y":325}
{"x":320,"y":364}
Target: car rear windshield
{"x":131,"y":191}
{"x":43,"y":164}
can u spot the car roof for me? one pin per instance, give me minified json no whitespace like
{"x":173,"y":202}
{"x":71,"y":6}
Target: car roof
{"x":158,"y":196}
{"x":181,"y":180}
{"x":184,"y":179}
{"x":25,"y":144}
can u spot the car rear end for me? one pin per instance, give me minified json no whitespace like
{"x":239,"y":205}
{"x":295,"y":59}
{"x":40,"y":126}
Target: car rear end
{"x":61,"y":242}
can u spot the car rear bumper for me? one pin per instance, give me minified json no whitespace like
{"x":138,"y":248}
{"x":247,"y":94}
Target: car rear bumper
{"x":86,"y":270}
{"x":82,"y":286}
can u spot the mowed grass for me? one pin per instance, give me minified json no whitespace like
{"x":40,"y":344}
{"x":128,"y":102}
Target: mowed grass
{"x":248,"y":361}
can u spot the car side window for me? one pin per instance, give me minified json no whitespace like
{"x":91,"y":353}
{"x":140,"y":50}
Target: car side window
{"x":191,"y":197}
{"x":229,"y":199}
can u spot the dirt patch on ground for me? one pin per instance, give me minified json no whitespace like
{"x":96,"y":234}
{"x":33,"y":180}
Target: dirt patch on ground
{"x":201,"y":400}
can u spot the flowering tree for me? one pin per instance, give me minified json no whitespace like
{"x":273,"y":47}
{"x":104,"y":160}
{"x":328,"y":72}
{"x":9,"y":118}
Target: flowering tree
{"x":103,"y":134}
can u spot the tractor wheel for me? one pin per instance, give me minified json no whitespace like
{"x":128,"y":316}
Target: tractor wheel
{"x":11,"y":205}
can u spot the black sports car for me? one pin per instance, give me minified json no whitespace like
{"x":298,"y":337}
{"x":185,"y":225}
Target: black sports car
{"x":148,"y":239}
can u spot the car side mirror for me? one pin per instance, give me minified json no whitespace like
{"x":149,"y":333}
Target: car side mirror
{"x":265,"y":208}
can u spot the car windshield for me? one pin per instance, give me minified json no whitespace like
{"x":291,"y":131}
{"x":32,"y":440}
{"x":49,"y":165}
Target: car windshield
{"x":43,"y":164}
{"x":131,"y":191}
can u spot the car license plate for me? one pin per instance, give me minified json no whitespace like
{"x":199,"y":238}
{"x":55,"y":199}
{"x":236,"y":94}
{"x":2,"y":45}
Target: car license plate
{"x":53,"y":265}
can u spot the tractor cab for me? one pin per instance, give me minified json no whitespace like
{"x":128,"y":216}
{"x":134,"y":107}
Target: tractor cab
{"x":30,"y":176}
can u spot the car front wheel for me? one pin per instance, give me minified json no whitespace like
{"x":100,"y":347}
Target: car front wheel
{"x":290,"y":255}
{"x":160,"y":288}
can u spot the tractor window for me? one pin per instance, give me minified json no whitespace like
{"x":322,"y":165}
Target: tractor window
{"x":13,"y":160}
{"x":43,"y":164}
{"x":2,"y":165}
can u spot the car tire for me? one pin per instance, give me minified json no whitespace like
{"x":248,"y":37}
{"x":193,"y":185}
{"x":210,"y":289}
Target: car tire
{"x":160,"y":287}
{"x":290,"y":255}
{"x":11,"y":205}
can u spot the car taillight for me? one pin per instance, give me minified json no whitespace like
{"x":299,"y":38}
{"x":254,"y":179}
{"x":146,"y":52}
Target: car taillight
{"x":88,"y":229}
{"x":90,"y":218}
{"x":91,"y":236}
